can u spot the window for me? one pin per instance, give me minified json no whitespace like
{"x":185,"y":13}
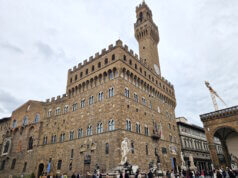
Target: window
{"x":111,"y":125}
{"x":140,"y":70}
{"x":145,"y":73}
{"x":75,"y":106}
{"x":169,"y":126}
{"x":132,"y":147}
{"x":14,"y":124}
{"x":127,"y":93}
{"x":130,"y":62}
{"x":124,"y":57}
{"x":173,"y":127}
{"x":137,"y":128}
{"x":128,"y":125}
{"x":66,"y":108}
{"x":49,"y":112}
{"x":135,"y":66}
{"x":57,"y":111}
{"x":164,"y":150}
{"x":89,"y":130}
{"x":146,"y":149}
{"x":25,"y":121}
{"x":45,"y":140}
{"x":53,"y":139}
{"x":170,"y":138}
{"x":71,"y":135}
{"x":92,"y":68}
{"x":72,"y":154}
{"x":59,"y":164}
{"x":110,"y":92}
{"x":156,"y":151}
{"x":24,"y":168}
{"x":106,"y":61}
{"x":76,"y":77}
{"x":135,"y":97}
{"x":71,"y":80}
{"x":99,"y":65}
{"x":13,"y":163}
{"x":111,"y":75}
{"x":150,"y":105}
{"x":113,"y":57}
{"x":70,"y":166}
{"x":30,"y":143}
{"x":86,"y":72}
{"x":82,"y":103}
{"x":99,"y":128}
{"x":81,"y":74}
{"x":80,"y":133}
{"x":146,"y":131}
{"x":62,"y":137}
{"x":143,"y":101}
{"x":6,"y":146}
{"x":37,"y":118}
{"x":172,"y":117}
{"x":167,"y":114}
{"x":100,"y":96}
{"x":107,"y":148}
{"x":3,"y":164}
{"x":90,"y":101}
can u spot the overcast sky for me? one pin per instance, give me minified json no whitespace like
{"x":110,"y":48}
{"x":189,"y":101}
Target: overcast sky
{"x":40,"y":40}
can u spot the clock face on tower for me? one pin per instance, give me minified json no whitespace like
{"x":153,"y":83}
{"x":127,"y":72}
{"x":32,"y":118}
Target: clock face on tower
{"x":157,"y":70}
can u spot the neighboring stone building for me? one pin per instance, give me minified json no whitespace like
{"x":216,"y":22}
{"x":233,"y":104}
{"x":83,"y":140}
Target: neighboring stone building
{"x":224,"y":125}
{"x":4,"y":127}
{"x":113,"y":95}
{"x":193,"y":141}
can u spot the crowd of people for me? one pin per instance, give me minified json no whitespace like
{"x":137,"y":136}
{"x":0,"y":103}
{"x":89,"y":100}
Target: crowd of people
{"x":216,"y":173}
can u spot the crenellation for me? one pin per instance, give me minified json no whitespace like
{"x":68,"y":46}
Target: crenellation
{"x":126,"y":48}
{"x":79,"y":65}
{"x":58,"y":98}
{"x":47,"y":100}
{"x":74,"y":68}
{"x":70,"y":70}
{"x":131,"y":52}
{"x":136,"y":56}
{"x":97,"y":55}
{"x":103,"y":51}
{"x":85,"y":62}
{"x":91,"y":58}
{"x":52,"y":99}
{"x":119,"y":43}
{"x":110,"y":47}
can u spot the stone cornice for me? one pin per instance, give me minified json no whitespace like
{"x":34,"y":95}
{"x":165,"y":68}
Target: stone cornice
{"x":227,"y":112}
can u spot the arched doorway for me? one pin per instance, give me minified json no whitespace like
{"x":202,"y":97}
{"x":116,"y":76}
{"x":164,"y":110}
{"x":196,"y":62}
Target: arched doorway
{"x":228,"y":138}
{"x":40,"y":169}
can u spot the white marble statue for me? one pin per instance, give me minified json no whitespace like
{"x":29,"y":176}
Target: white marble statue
{"x":192,"y":166}
{"x":124,"y":150}
{"x":183,"y":167}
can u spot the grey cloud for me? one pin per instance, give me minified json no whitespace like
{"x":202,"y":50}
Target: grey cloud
{"x":8,"y":102}
{"x":44,"y":49}
{"x":11,"y":47}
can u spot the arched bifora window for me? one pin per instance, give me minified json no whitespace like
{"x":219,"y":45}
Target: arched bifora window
{"x":6,"y":146}
{"x":30,"y":143}
{"x":37,"y":117}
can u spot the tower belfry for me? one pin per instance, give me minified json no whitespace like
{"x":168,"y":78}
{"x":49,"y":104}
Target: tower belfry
{"x":147,"y":35}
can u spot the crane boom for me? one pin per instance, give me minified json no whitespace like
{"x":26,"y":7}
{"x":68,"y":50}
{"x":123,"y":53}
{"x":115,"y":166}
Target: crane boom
{"x":214,"y":94}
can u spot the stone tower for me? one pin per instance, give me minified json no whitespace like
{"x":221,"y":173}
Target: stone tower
{"x":147,"y":35}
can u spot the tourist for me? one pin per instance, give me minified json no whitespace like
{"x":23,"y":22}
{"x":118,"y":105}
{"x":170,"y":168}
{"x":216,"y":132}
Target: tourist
{"x":168,"y":174}
{"x":127,"y":174}
{"x":202,"y":174}
{"x":218,"y":174}
{"x":231,"y":173}
{"x":150,"y":174}
{"x":73,"y":176}
{"x":78,"y":175}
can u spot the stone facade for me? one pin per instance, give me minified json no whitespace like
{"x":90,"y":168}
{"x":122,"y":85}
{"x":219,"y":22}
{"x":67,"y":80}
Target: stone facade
{"x":224,"y":125}
{"x":193,"y":142}
{"x":113,"y":95}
